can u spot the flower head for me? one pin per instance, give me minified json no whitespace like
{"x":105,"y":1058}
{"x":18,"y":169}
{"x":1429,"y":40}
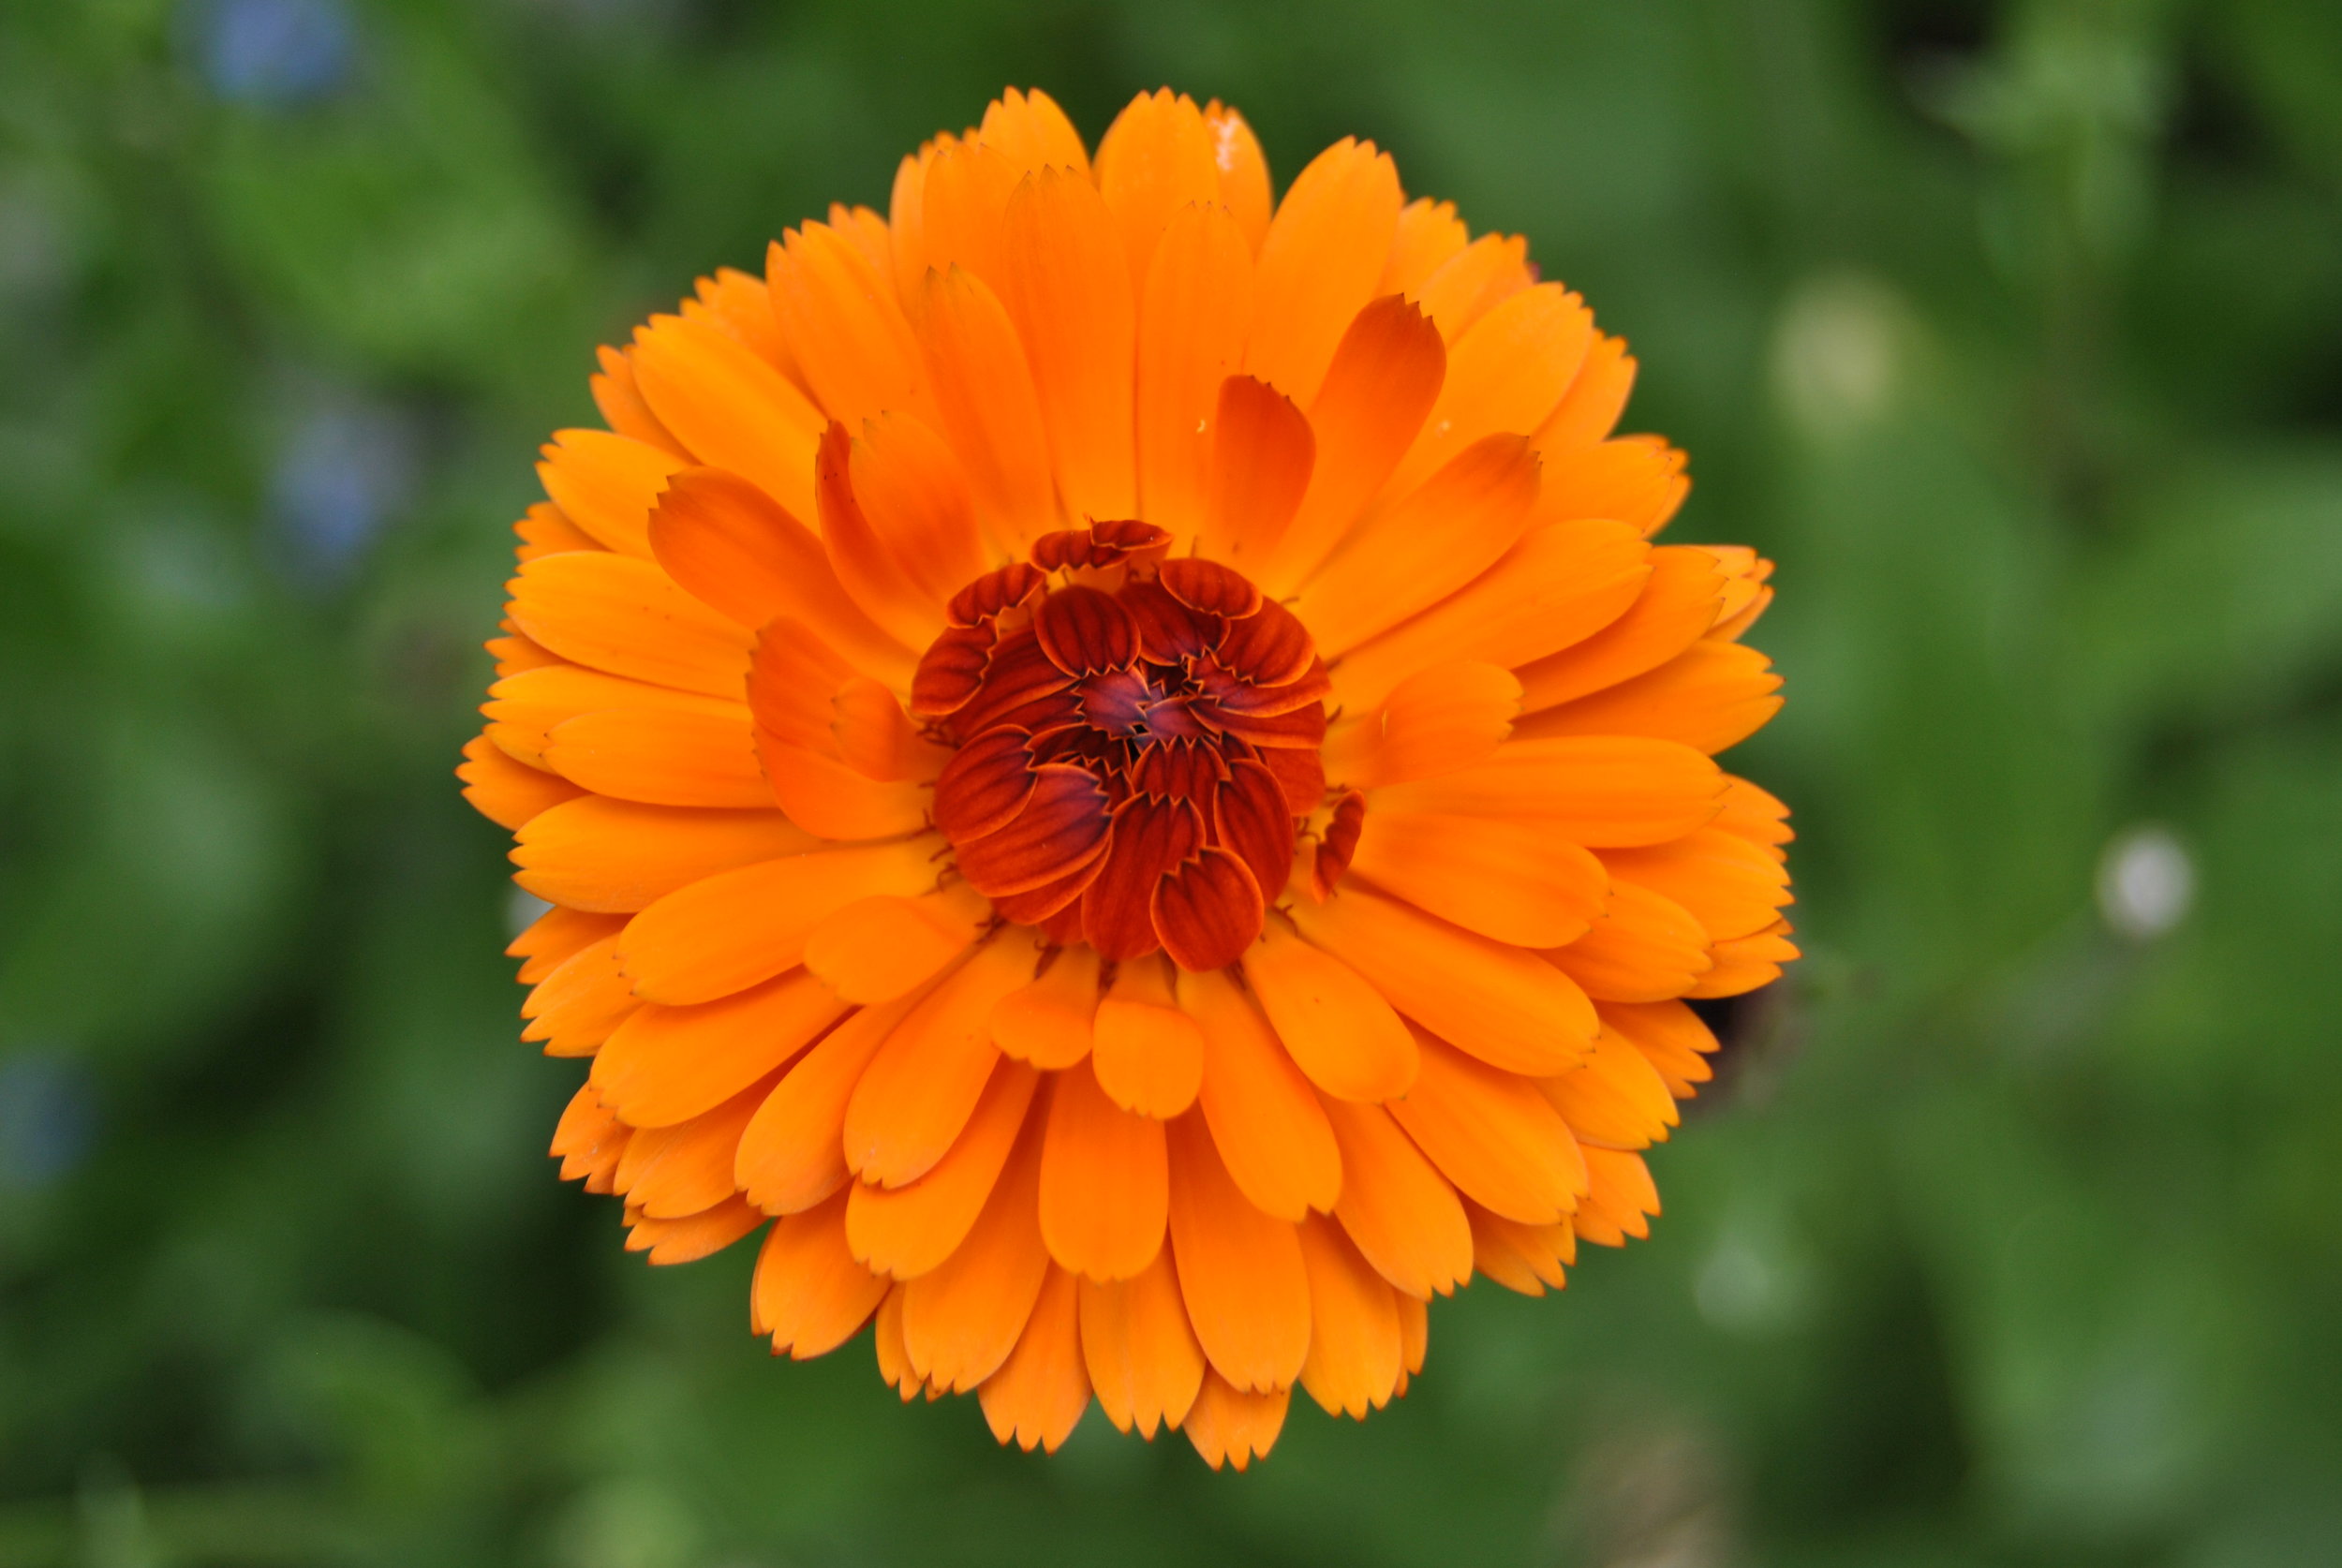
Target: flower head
{"x":1117,"y":763}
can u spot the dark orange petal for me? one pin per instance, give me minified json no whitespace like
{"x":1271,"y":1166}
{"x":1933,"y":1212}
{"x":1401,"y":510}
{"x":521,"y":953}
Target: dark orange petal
{"x":792,"y":1154}
{"x":1240,"y":1272}
{"x":809,"y":1294}
{"x":1336,"y":1026}
{"x":961,"y":1321}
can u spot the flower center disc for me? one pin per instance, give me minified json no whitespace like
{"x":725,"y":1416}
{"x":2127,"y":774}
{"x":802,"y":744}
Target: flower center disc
{"x":1137,"y":740}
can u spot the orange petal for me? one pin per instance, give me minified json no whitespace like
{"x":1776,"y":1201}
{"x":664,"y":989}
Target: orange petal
{"x":909,"y":486}
{"x":1320,"y":262}
{"x":1511,"y":1008}
{"x":844,"y":325}
{"x":1492,"y":1134}
{"x":732,"y":409}
{"x":1048,"y":1022}
{"x":622,"y":407}
{"x":553,"y":935}
{"x":624,"y":617}
{"x":739,"y":306}
{"x":1156,"y":158}
{"x":1617,"y":1100}
{"x":1269,"y":1129}
{"x":1644,"y":949}
{"x":1243,"y":173}
{"x":691,"y":1237}
{"x":961,"y":1321}
{"x":1712,"y":696}
{"x":1522,"y":1258}
{"x":615,"y":857}
{"x":1459,"y":523}
{"x":1231,"y":1427}
{"x":827,"y":798}
{"x":1067,"y":288}
{"x":1430,"y":232}
{"x":1680,"y":602}
{"x":1038,"y":1396}
{"x":736,"y":549}
{"x":1637,"y":479}
{"x":1196,"y":306}
{"x":1517,"y":881}
{"x":1336,"y":1026}
{"x":1671,"y":1038}
{"x":1620,"y":1200}
{"x":669,"y":1172}
{"x":1139,"y":1350}
{"x":909,"y":1230}
{"x":792,"y":1155}
{"x":523,"y":708}
{"x":886,"y":1337}
{"x":1563,"y":582}
{"x":1033,"y":132}
{"x":730,"y":931}
{"x":589,"y":1140}
{"x":924,"y":1083}
{"x":867,"y":567}
{"x":1105,"y":1182}
{"x":1731,"y":887}
{"x":606,"y":484}
{"x":984,"y":393}
{"x":1353,"y":1363}
{"x":668,"y":1064}
{"x":1385,"y":376}
{"x":1607,"y":792}
{"x":1397,"y":1207}
{"x":1446,"y":717}
{"x":1240,"y":1271}
{"x":1473,"y":281}
{"x":874,"y":737}
{"x":1148,"y":1055}
{"x":1753,"y":814}
{"x":1261,"y":456}
{"x":660,"y":756}
{"x":1505,"y":373}
{"x":809,"y":1294}
{"x":1744,"y":962}
{"x":506,"y":793}
{"x":544,"y":531}
{"x":1590,"y":410}
{"x":574,"y":1008}
{"x":875,"y":949}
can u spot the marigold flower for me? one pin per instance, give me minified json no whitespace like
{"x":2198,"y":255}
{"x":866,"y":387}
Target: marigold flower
{"x":1117,"y":761}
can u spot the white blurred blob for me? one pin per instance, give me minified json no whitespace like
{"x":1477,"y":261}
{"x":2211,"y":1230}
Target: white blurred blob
{"x":1752,"y":1284}
{"x":2146,"y":883}
{"x":523,"y":910}
{"x":1837,"y":353}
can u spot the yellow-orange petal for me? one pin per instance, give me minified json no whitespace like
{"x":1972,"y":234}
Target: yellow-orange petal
{"x":909,"y":1230}
{"x":606,"y":484}
{"x":1732,"y":886}
{"x":1138,"y":1348}
{"x":553,"y":935}
{"x":1590,"y":410}
{"x":830,"y":800}
{"x":1320,"y":262}
{"x":1616,"y":1099}
{"x":1148,"y":1055}
{"x":1230,"y":1426}
{"x":523,"y":708}
{"x":627,"y":617}
{"x":1239,"y":1270}
{"x":1050,"y":1021}
{"x":585,"y":996}
{"x":1680,"y":601}
{"x":960,"y":1321}
{"x":921,"y":1089}
{"x":1671,"y":1038}
{"x":809,"y":1294}
{"x":1644,"y":949}
{"x":1105,"y":1182}
{"x":1493,"y":1135}
{"x":589,"y":1140}
{"x":616,"y":856}
{"x":1744,"y":962}
{"x":505,"y":792}
{"x":660,"y":756}
{"x":1396,"y":1206}
{"x":1446,"y":717}
{"x":1262,"y":452}
{"x":1637,"y":480}
{"x":1333,"y":1022}
{"x":844,"y":324}
{"x":1509,"y":1008}
{"x":689,"y":1238}
{"x":792,"y":1154}
{"x":543,"y":531}
{"x":1039,"y":1394}
{"x":1473,"y":281}
{"x":1270,"y":1131}
{"x":1430,"y":232}
{"x":909,"y":486}
{"x":669,"y":1172}
{"x":1712,"y":696}
{"x":738,"y":550}
{"x":1522,"y":1258}
{"x":668,"y":1064}
{"x":1243,"y":173}
{"x":1506,"y":373}
{"x":1194,"y":308}
{"x":875,"y":949}
{"x":1033,"y":132}
{"x":1156,"y":158}
{"x":1353,"y":1363}
{"x":731,"y":408}
{"x":724,"y":932}
{"x":1517,"y":881}
{"x":1068,"y":288}
{"x":991,"y":415}
{"x":622,"y":407}
{"x":1621,"y":1202}
{"x":1604,"y":791}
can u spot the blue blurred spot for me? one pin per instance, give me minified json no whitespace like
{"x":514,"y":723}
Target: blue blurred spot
{"x":48,"y":1113}
{"x":275,"y":52}
{"x":339,"y":478}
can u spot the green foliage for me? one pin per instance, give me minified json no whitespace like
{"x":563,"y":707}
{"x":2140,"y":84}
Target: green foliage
{"x":2013,"y":332}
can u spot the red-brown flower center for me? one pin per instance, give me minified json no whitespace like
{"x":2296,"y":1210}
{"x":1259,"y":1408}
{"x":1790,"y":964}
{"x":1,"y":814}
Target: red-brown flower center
{"x":1137,"y":741}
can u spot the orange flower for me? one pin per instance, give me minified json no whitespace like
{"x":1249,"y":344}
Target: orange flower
{"x":1118,"y":763}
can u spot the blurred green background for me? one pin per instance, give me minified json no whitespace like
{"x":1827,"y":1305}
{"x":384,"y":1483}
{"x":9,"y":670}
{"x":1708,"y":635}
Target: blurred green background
{"x":2008,"y":1234}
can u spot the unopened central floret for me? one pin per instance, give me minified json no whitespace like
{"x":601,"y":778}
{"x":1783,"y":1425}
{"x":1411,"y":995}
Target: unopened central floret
{"x":1137,"y":743}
